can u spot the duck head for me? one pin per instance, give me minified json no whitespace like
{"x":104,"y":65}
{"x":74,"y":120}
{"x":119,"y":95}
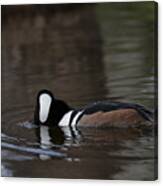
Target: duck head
{"x":49,"y":110}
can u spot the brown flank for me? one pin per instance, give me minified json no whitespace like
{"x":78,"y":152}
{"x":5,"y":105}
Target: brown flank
{"x":122,"y":118}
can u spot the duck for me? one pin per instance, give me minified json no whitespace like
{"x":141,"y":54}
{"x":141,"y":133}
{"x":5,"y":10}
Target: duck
{"x":50,"y":111}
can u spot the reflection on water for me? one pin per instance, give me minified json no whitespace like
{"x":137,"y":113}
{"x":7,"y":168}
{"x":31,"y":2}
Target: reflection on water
{"x":58,"y":49}
{"x":94,"y":153}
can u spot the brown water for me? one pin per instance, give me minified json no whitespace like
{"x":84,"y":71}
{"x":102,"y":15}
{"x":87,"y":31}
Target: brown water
{"x":110,"y":59}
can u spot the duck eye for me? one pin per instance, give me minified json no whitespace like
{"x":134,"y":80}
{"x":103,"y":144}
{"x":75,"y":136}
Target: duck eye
{"x":45,"y":102}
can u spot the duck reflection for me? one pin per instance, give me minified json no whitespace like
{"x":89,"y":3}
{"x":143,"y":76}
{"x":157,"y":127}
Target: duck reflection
{"x":57,"y":137}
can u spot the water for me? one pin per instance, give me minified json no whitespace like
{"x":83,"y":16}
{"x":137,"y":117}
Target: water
{"x":118,"y":66}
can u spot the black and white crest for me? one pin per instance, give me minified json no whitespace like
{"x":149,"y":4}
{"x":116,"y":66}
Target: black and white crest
{"x":48,"y":110}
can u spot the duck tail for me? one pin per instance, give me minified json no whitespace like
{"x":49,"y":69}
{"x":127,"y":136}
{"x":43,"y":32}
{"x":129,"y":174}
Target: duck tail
{"x":146,"y":113}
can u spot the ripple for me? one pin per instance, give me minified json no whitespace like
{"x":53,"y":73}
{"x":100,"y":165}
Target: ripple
{"x":35,"y":151}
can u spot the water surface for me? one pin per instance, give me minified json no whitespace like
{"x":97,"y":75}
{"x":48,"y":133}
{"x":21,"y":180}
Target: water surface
{"x":114,"y":60}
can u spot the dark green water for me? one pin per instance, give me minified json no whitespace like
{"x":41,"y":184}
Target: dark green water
{"x":118,"y":65}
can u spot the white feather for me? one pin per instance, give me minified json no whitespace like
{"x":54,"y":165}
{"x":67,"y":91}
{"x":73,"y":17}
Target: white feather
{"x":75,"y":118}
{"x":45,"y":102}
{"x":65,"y":119}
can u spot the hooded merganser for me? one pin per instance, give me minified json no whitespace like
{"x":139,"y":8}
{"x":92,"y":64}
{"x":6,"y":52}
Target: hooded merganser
{"x":54,"y":112}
